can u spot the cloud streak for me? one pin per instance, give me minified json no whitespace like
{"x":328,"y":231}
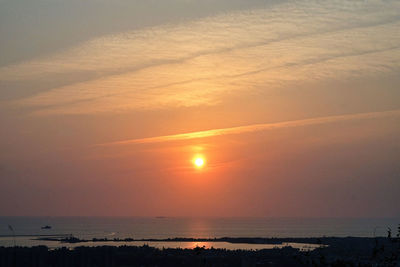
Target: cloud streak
{"x":197,"y":63}
{"x":255,"y":128}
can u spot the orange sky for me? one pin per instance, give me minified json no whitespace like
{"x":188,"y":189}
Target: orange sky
{"x":294,"y":107}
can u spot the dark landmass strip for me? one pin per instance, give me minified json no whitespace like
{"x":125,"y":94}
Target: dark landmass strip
{"x":349,"y":251}
{"x":343,"y":241}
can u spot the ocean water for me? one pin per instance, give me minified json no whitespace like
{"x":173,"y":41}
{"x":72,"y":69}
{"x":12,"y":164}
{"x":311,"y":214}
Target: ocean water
{"x":28,"y":228}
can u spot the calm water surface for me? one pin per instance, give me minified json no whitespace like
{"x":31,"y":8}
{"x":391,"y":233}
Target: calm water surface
{"x":138,"y":228}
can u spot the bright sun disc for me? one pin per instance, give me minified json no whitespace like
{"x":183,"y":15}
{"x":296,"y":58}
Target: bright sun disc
{"x":199,"y":162}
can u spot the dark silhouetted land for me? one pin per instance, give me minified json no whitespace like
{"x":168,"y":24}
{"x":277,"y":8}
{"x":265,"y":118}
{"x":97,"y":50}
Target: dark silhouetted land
{"x":350,"y":251}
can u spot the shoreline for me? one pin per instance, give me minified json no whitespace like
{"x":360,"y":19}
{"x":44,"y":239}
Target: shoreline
{"x":325,"y":240}
{"x":347,"y":251}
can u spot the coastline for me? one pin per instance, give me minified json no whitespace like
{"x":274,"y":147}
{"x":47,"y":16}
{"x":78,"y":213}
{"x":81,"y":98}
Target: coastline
{"x":334,"y":251}
{"x":242,"y":240}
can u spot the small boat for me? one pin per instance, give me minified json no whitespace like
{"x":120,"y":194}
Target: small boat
{"x":46,"y":227}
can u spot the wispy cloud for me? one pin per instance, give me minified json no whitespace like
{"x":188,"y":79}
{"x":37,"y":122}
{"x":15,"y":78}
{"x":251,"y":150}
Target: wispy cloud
{"x":255,"y":127}
{"x":198,"y":62}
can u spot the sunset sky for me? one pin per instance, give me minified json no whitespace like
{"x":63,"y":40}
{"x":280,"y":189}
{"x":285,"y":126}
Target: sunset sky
{"x":200,"y":108}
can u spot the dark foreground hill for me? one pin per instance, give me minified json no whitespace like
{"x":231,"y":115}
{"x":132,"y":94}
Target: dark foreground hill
{"x":340,"y":252}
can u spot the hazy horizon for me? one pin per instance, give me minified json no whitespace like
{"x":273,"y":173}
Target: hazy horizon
{"x":188,"y":217}
{"x":215,"y":108}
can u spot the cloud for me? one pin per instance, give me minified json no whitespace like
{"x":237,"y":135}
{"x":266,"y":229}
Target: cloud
{"x":255,"y":127}
{"x":196,"y":63}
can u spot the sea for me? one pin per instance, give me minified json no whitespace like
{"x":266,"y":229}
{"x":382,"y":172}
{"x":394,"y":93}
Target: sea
{"x":24,"y":231}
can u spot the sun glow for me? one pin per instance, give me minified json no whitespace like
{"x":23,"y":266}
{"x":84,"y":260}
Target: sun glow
{"x":199,"y":162}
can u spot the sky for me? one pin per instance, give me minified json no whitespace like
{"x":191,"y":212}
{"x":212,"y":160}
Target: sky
{"x":293,"y":107}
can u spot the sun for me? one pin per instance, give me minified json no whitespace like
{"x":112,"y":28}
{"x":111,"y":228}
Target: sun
{"x":199,"y":162}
